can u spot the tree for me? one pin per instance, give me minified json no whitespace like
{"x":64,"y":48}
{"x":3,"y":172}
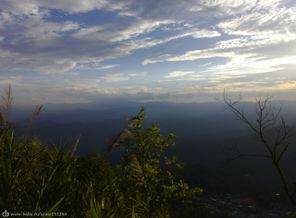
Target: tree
{"x":268,"y":118}
{"x":147,"y":176}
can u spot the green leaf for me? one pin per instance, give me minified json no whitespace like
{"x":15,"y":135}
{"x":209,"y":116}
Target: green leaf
{"x":133,"y":213}
{"x":95,"y":209}
{"x":55,"y":206}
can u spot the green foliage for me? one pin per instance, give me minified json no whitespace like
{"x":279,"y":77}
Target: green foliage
{"x":39,"y":178}
{"x":147,"y":176}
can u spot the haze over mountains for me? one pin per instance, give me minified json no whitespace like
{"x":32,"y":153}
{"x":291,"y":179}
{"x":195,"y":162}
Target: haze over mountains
{"x":206,"y":133}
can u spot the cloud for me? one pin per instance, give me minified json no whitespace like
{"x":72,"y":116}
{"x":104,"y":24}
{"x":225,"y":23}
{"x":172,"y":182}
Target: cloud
{"x":117,"y":32}
{"x":194,"y":10}
{"x":278,"y":20}
{"x":261,"y":42}
{"x":50,"y":47}
{"x":93,"y":65}
{"x":247,"y":42}
{"x":119,"y":77}
{"x":145,"y":43}
{"x":175,"y":74}
{"x":190,"y":56}
{"x":38,"y":43}
{"x":42,"y":45}
{"x":70,"y":6}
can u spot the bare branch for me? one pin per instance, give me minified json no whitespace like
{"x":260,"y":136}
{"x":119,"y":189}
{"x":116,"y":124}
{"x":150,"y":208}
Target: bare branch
{"x":231,"y":105}
{"x":248,"y":155}
{"x":239,"y":154}
{"x":266,"y":117}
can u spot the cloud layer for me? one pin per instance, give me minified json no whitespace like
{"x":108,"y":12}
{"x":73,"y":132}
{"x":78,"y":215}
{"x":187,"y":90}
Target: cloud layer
{"x":190,"y":46}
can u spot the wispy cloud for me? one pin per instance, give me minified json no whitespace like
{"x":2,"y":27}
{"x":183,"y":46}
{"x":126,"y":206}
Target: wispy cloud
{"x":185,"y":46}
{"x":178,"y":74}
{"x":111,"y":78}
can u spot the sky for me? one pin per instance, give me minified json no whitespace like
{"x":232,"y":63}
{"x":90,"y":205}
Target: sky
{"x":75,"y":51}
